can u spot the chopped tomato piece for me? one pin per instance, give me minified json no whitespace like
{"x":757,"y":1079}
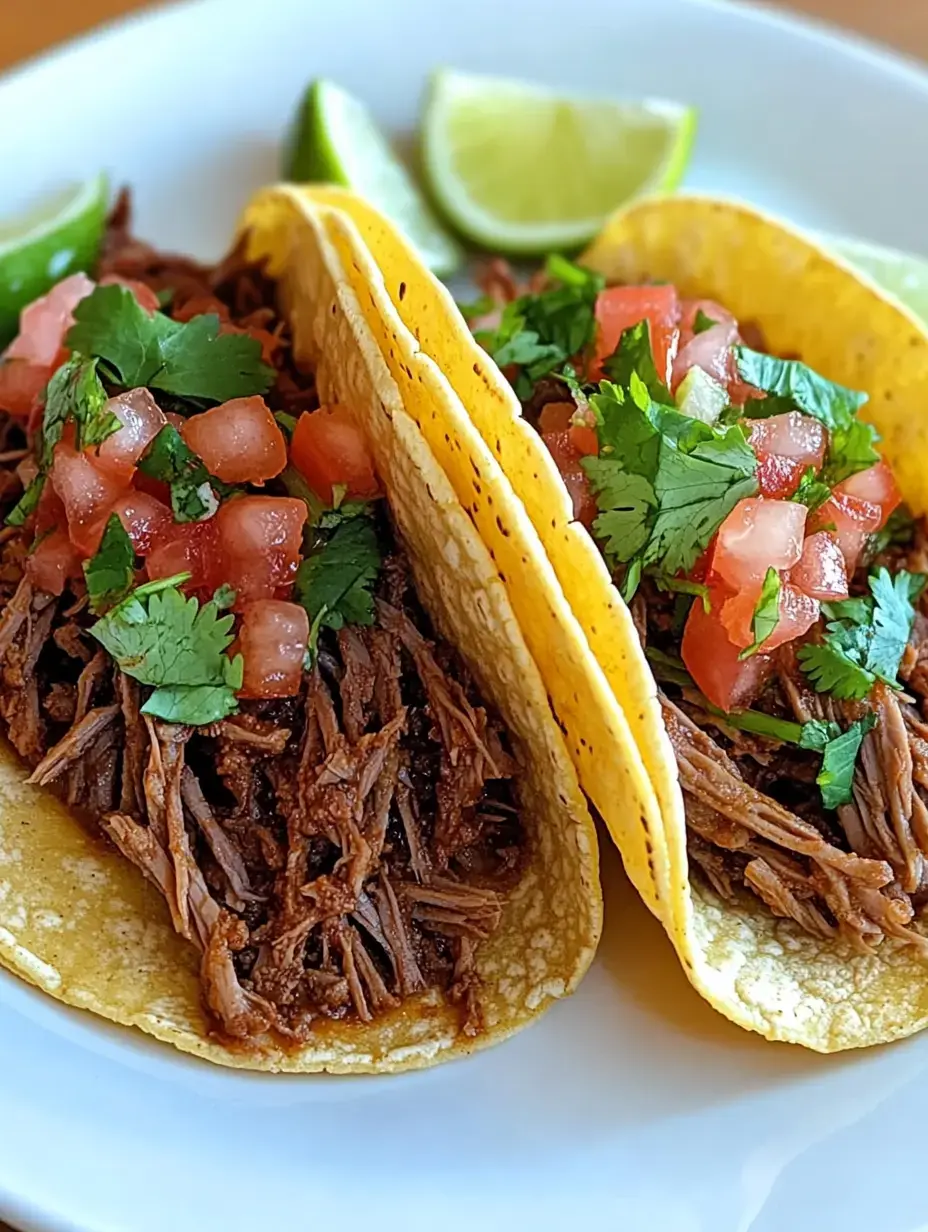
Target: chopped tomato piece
{"x":851,"y":519}
{"x":712,"y":660}
{"x":563,"y":451}
{"x":44,"y":323}
{"x":142,"y":420}
{"x":142,"y":292}
{"x":556,"y":417}
{"x":796,"y":614}
{"x":86,"y":491}
{"x":21,"y":385}
{"x":260,"y":539}
{"x":53,"y":562}
{"x":821,"y":572}
{"x":50,"y":513}
{"x":329,"y":448}
{"x":145,"y":519}
{"x":188,"y":547}
{"x":621,"y":308}
{"x":272,"y":640}
{"x":690,"y":310}
{"x":758,"y":535}
{"x":239,"y":441}
{"x":786,"y":446}
{"x":876,"y":485}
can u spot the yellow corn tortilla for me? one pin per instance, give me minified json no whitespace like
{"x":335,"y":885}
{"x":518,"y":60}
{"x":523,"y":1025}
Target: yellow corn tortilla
{"x":759,"y":971}
{"x":78,"y":921}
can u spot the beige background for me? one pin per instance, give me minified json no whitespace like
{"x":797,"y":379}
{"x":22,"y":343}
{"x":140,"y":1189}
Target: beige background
{"x":28,"y":28}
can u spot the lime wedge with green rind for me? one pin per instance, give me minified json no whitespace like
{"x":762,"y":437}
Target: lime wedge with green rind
{"x":524,"y":170}
{"x":37,"y":250}
{"x":902,"y":275}
{"x":335,"y":141}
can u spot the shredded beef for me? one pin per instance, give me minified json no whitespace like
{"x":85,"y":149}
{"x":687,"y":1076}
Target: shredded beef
{"x":329,"y":854}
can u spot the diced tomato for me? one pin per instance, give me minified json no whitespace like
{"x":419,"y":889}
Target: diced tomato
{"x":786,"y":446}
{"x":53,"y":562}
{"x":44,"y":323}
{"x":821,"y":572}
{"x":188,"y":547}
{"x":758,"y":535}
{"x":851,"y":519}
{"x":272,"y":640}
{"x":621,"y":308}
{"x":556,"y":417}
{"x":876,"y":485}
{"x":580,"y":426}
{"x":141,"y":420}
{"x":796,"y":614}
{"x":86,"y":491}
{"x":690,"y":310}
{"x":329,"y":448}
{"x":21,"y":384}
{"x":142,"y":292}
{"x":712,"y":660}
{"x":711,"y":351}
{"x":50,"y":514}
{"x":146,"y":520}
{"x":260,"y":539}
{"x":239,"y":441}
{"x":562,"y":450}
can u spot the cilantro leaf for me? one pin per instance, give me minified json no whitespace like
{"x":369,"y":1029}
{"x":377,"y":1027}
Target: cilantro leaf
{"x":625,"y":428}
{"x":192,"y":704}
{"x":817,"y":734}
{"x":470,"y":310}
{"x":27,"y":504}
{"x":851,"y":449}
{"x":829,"y":403}
{"x":109,"y":573}
{"x":339,"y":574}
{"x":763,"y":408}
{"x":702,"y":322}
{"x":75,"y":393}
{"x":839,"y":759}
{"x":865,"y":637}
{"x":169,"y":459}
{"x":539,"y":333}
{"x":812,"y":492}
{"x":893,"y":615}
{"x":624,"y":527}
{"x":163,"y":638}
{"x":766,"y":613}
{"x":634,"y":354}
{"x":286,"y":422}
{"x":696,"y":488}
{"x":898,"y":531}
{"x":190,"y":360}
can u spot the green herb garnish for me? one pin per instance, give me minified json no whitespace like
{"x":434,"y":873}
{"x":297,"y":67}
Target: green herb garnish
{"x":170,"y":459}
{"x":110,"y":572}
{"x":766,"y":613}
{"x":336,"y":579}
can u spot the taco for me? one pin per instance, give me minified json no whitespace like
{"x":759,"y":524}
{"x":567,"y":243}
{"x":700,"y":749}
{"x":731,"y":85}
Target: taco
{"x":297,"y":798}
{"x":734,"y":418}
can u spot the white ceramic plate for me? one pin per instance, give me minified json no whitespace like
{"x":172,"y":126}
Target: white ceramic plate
{"x":632,"y":1106}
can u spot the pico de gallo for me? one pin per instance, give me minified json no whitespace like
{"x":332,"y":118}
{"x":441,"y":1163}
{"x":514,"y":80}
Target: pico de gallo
{"x":211,"y":646}
{"x":776,"y":579}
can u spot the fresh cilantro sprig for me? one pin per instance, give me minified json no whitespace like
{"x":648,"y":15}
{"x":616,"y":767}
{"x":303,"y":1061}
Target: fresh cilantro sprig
{"x":766,"y":613}
{"x":793,"y":386}
{"x":110,"y":571}
{"x":539,"y":333}
{"x":812,"y":492}
{"x":664,"y":482}
{"x":190,"y":360}
{"x":864,"y":638}
{"x":334,"y":582}
{"x":161,"y":638}
{"x":839,"y":755}
{"x":75,"y":393}
{"x":170,"y":459}
{"x":635,"y":355}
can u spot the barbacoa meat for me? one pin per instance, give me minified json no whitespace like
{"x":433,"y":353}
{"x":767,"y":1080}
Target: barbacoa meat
{"x":329,"y":854}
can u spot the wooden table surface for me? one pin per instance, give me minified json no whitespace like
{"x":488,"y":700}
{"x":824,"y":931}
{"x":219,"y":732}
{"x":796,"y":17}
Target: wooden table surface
{"x":28,"y":29}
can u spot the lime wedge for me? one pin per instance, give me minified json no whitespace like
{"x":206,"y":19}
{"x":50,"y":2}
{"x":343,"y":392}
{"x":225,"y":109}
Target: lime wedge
{"x":334,"y":140}
{"x":902,"y":275}
{"x":39,"y":249}
{"x":522,"y":170}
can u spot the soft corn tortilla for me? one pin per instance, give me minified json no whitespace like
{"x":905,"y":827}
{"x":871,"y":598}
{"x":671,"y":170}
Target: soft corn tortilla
{"x":761,"y":972}
{"x":79,"y":922}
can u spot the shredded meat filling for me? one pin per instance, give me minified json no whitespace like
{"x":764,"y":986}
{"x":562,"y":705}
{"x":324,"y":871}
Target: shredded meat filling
{"x":329,"y":854}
